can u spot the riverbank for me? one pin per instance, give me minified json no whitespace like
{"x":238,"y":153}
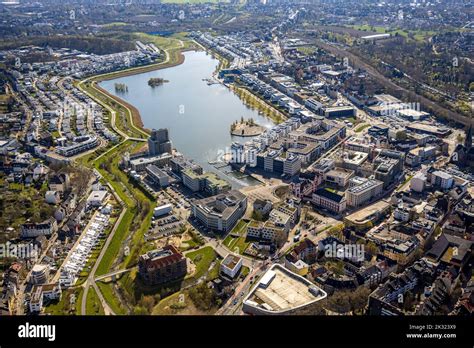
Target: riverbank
{"x":136,"y":118}
{"x":254,"y":102}
{"x":174,"y":57}
{"x":174,"y":60}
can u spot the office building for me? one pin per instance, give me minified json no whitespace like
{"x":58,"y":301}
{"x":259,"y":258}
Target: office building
{"x":338,"y":176}
{"x":231,"y":266}
{"x":358,"y":195}
{"x":208,"y":183}
{"x":159,"y":142}
{"x":157,"y":175}
{"x":329,"y":200}
{"x":221,"y":212}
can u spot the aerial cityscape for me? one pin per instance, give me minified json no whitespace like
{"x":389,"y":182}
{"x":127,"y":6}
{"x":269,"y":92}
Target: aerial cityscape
{"x":236,"y":158}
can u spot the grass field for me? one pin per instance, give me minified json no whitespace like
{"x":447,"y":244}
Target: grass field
{"x":202,"y":258}
{"x":178,"y":303}
{"x":110,"y":297}
{"x":64,"y":305}
{"x":361,"y":128}
{"x":240,"y":242}
{"x":418,"y":35}
{"x":93,"y":305}
{"x":134,"y":220}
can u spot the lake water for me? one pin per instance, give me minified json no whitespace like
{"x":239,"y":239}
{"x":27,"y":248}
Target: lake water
{"x":197,"y":115}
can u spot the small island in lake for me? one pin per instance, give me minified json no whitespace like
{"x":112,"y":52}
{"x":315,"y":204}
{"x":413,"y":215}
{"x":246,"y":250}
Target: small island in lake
{"x":246,"y":128}
{"x":156,"y":81}
{"x":121,"y":87}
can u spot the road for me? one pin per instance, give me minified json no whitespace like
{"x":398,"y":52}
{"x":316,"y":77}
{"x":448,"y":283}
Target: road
{"x":90,"y":279}
{"x":111,"y":274}
{"x":28,"y":113}
{"x":21,"y":288}
{"x":392,"y":86}
{"x":233,"y":304}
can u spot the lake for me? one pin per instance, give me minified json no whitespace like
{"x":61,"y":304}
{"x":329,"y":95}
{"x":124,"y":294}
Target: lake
{"x":197,"y":115}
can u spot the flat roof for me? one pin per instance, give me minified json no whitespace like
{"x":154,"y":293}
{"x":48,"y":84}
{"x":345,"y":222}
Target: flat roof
{"x":231,"y":261}
{"x":281,"y":290}
{"x":366,"y":214}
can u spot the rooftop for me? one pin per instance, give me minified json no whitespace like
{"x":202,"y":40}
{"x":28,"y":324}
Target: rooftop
{"x":231,"y":261}
{"x":281,"y":290}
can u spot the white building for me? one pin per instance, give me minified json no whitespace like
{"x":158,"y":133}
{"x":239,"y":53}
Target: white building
{"x":42,"y":293}
{"x":45,"y":228}
{"x":231,"y":265}
{"x":39,"y":274}
{"x":292,"y":165}
{"x":358,"y":195}
{"x":97,"y":198}
{"x":52,"y":197}
{"x":162,"y":210}
{"x":442,"y":179}
{"x":418,"y":182}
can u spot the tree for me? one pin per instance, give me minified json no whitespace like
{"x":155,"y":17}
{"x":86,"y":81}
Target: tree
{"x":336,"y":231}
{"x":140,"y":311}
{"x":339,"y":302}
{"x":203,"y":297}
{"x":371,"y":248}
{"x":359,"y":298}
{"x":256,"y":215}
{"x":346,"y":301}
{"x":148,"y":302}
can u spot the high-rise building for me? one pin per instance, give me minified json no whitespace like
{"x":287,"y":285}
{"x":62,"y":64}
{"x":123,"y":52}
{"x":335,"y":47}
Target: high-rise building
{"x":159,"y":142}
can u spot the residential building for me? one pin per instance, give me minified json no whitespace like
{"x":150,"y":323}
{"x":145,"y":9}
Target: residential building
{"x":45,"y":228}
{"x":385,"y":300}
{"x":162,"y":266}
{"x":442,"y":179}
{"x":59,"y":182}
{"x":97,"y":198}
{"x":39,"y":274}
{"x":418,"y":182}
{"x":52,"y":197}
